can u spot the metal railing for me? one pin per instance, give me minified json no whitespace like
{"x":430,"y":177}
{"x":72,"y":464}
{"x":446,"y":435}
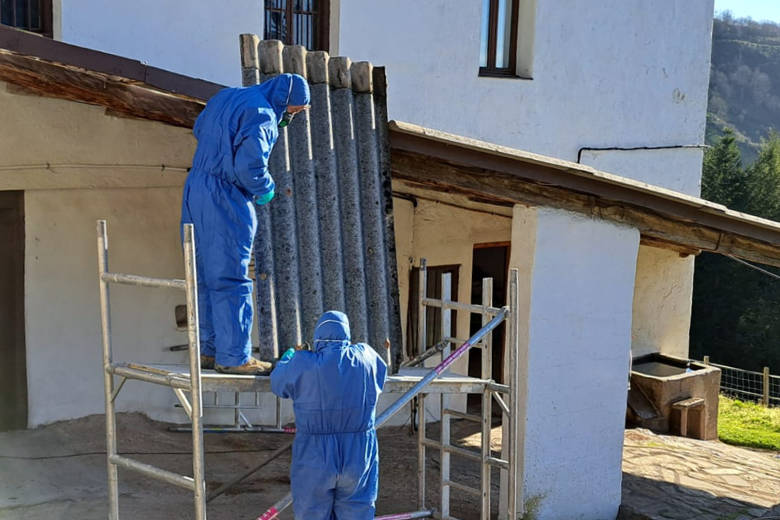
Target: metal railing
{"x":748,"y":385}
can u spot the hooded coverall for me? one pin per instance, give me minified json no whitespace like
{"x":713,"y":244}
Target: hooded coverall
{"x":335,"y":460}
{"x":235,"y":132}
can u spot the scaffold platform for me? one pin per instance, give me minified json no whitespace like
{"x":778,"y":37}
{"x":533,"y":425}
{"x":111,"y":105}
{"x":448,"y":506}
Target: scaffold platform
{"x":213,"y":381}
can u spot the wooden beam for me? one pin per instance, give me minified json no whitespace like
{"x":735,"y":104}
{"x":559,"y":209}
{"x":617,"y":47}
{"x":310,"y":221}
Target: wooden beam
{"x":683,"y":250}
{"x":682,"y":231}
{"x":118,"y":95}
{"x":26,"y":43}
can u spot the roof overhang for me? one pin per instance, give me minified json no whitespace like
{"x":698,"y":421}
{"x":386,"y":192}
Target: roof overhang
{"x":37,"y":65}
{"x":482,"y":171}
{"x":421,"y":157}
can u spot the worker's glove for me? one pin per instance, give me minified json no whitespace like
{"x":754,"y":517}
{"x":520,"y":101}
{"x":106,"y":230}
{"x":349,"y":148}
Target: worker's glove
{"x":264,"y":199}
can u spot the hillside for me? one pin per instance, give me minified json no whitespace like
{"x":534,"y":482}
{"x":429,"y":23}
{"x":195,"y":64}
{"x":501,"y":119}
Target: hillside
{"x":744,"y":82}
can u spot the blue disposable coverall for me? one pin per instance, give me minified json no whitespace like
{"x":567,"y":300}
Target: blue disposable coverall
{"x":235,"y":132}
{"x":335,"y":461}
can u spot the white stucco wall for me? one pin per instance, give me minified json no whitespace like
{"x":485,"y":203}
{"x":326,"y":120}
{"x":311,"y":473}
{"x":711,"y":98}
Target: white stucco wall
{"x":575,"y":335}
{"x":678,"y":169}
{"x":663,"y":294}
{"x":64,"y":360}
{"x":443,"y":234}
{"x":95,"y":172}
{"x":608,"y":73}
{"x":197,"y":38}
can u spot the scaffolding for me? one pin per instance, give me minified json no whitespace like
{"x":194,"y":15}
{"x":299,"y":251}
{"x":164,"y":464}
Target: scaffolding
{"x":188,"y":382}
{"x":490,"y":391}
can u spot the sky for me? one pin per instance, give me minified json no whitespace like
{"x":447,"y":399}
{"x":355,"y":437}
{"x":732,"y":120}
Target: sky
{"x":759,"y":10}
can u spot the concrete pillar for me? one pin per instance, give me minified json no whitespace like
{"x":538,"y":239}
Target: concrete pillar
{"x":662,"y":302}
{"x":576,"y":292}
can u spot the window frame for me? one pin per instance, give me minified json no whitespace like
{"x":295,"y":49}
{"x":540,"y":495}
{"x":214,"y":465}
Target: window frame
{"x":321,"y":23}
{"x":45,"y":8}
{"x":490,"y":70}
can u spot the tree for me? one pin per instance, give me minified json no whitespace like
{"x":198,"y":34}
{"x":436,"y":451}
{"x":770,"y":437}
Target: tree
{"x":736,"y":310}
{"x":763,"y":187}
{"x":723,"y":180}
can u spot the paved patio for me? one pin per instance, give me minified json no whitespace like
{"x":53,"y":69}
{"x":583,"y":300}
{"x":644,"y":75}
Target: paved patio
{"x":671,"y":478}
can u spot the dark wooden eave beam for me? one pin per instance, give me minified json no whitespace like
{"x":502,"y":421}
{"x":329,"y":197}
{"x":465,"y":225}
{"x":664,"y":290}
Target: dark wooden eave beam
{"x":435,"y":164}
{"x":118,"y":95}
{"x":47,"y":49}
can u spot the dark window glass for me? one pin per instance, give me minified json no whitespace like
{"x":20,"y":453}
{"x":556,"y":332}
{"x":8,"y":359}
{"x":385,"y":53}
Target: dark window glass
{"x":31,"y":15}
{"x":6,"y":12}
{"x":298,"y":22}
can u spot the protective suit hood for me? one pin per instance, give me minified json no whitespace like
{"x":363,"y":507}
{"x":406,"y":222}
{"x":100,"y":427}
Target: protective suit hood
{"x":332,"y":330}
{"x":284,"y":90}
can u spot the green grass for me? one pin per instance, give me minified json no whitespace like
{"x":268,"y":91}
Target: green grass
{"x":748,"y":424}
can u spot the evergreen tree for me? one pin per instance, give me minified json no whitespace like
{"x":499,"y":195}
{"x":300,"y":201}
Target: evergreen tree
{"x":722,"y":175}
{"x":763,"y":189}
{"x":736,"y":310}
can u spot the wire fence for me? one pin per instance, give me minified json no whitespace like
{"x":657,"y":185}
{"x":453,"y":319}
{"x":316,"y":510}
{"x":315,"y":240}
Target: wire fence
{"x":748,"y":385}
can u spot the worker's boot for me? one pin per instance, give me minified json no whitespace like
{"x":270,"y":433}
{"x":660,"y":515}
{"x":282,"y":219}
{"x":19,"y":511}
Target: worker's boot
{"x":253,"y":367}
{"x":207,"y":362}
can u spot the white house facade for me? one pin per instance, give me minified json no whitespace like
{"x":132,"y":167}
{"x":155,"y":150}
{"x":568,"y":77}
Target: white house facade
{"x":619,"y":85}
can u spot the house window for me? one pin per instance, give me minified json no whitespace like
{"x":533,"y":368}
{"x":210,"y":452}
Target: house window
{"x":507,"y":35}
{"x":30,"y":15}
{"x":298,"y":22}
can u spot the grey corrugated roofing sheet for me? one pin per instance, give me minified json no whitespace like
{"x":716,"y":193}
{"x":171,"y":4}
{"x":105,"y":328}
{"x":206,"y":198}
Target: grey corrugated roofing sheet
{"x":326,"y":241}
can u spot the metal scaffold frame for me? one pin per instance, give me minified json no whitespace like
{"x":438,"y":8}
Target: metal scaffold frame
{"x":491,"y":391}
{"x":180,"y":385}
{"x":188,"y":382}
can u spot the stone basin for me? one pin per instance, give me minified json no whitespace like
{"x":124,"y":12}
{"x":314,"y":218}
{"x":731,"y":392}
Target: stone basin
{"x":661,"y":381}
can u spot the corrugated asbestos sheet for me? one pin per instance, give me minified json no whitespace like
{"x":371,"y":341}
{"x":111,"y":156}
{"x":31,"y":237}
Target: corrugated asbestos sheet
{"x":326,"y":241}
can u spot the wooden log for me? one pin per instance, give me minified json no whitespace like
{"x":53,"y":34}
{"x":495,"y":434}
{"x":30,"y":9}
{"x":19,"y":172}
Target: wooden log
{"x":655,"y":222}
{"x":118,"y":95}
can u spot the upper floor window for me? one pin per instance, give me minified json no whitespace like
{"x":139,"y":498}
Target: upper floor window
{"x":30,"y":15}
{"x":507,"y":34}
{"x":298,"y":22}
{"x":498,"y":44}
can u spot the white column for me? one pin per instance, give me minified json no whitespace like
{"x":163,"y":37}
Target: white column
{"x":576,"y":292}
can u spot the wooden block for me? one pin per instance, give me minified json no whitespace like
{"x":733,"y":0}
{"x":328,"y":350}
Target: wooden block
{"x":692,"y":402}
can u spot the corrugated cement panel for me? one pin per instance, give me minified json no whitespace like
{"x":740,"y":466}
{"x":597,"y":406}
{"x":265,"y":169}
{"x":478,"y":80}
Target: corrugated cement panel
{"x":326,"y":241}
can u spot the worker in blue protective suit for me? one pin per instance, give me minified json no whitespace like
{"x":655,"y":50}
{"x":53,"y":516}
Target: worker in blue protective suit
{"x":334,"y":388}
{"x":235,"y":132}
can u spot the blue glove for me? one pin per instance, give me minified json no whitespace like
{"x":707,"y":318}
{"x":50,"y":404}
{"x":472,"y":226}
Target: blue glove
{"x":264,"y":199}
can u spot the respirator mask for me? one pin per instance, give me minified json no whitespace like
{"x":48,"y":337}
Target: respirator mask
{"x":286,"y":118}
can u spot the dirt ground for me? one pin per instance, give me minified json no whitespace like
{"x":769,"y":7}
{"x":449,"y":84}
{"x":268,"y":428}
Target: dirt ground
{"x":58,"y":472}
